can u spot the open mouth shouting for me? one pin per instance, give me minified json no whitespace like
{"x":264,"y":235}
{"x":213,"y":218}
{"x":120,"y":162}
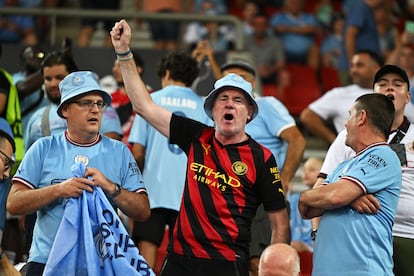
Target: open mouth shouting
{"x":391,"y":97}
{"x":228,"y":117}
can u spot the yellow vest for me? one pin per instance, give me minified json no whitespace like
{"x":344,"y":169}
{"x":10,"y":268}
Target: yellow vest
{"x":13,"y":117}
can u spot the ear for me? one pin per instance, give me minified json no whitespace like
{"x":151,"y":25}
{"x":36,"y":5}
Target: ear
{"x":408,"y":97}
{"x":65,"y":110}
{"x":362,"y":118}
{"x":250,"y":115}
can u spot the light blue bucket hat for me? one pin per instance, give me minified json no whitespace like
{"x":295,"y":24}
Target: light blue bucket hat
{"x":6,"y":131}
{"x":233,"y":81}
{"x":80,"y":83}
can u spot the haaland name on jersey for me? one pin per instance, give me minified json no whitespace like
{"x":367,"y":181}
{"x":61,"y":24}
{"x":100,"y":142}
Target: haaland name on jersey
{"x":178,"y":102}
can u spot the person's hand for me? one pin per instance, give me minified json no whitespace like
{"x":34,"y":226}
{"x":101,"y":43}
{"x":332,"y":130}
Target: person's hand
{"x":99,"y":179}
{"x":74,"y":187}
{"x":202,"y":50}
{"x":366,"y":204}
{"x":121,"y":36}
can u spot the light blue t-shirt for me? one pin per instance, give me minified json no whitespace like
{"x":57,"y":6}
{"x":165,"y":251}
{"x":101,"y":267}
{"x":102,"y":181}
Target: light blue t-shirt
{"x":165,"y":164}
{"x":295,"y":43}
{"x":300,"y":228}
{"x":110,"y":123}
{"x":350,"y":243}
{"x":49,"y":160}
{"x":273,"y":118}
{"x":362,"y":17}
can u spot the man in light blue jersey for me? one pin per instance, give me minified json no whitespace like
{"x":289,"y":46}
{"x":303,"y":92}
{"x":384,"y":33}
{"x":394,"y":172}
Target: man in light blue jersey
{"x":45,"y":121}
{"x":7,"y":149}
{"x":351,"y":241}
{"x":44,"y":179}
{"x":163,"y":164}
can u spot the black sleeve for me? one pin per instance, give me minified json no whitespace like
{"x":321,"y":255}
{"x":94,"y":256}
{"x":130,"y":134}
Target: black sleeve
{"x":269,"y":186}
{"x":183,"y":131}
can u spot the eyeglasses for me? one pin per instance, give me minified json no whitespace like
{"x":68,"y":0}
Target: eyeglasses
{"x":88,"y":105}
{"x":8,"y":162}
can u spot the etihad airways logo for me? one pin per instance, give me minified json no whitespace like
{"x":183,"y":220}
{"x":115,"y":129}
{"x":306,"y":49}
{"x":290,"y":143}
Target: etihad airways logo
{"x":209,"y":173}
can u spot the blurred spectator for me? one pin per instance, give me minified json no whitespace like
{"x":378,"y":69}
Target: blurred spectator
{"x":28,"y":82}
{"x":17,"y":28}
{"x":297,"y":30}
{"x":213,"y":32}
{"x":165,"y":33}
{"x":120,"y":99}
{"x":388,"y":33}
{"x":334,"y":105}
{"x":220,"y":6}
{"x":403,"y":56}
{"x":360,"y":33}
{"x":324,"y":11}
{"x":331,"y":46}
{"x":268,"y":53}
{"x":250,"y":10}
{"x":301,"y":229}
{"x":203,"y":53}
{"x":89,"y":24}
{"x":10,"y":110}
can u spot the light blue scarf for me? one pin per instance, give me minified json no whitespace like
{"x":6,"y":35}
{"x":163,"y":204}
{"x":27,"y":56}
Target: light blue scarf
{"x":91,"y":239}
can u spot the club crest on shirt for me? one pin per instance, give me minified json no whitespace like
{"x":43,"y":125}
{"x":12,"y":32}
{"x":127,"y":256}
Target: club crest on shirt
{"x":239,"y":168}
{"x":82,"y":159}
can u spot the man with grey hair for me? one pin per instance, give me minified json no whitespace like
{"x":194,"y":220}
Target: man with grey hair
{"x":228,"y":173}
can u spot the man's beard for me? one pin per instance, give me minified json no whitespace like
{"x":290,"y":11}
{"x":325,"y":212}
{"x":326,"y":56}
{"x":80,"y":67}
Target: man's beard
{"x":53,"y":100}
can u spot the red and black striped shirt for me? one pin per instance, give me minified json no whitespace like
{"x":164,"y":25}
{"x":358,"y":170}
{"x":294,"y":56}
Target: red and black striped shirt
{"x":224,"y":186}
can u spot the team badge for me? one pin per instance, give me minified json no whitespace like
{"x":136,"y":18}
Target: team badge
{"x":82,"y":159}
{"x":239,"y":168}
{"x":100,"y":246}
{"x":78,"y":80}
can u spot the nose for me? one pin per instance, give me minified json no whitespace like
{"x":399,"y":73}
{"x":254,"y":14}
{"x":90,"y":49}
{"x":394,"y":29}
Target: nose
{"x":55,"y":82}
{"x":229,"y":104}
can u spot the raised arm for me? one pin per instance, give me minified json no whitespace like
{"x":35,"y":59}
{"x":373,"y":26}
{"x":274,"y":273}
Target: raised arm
{"x":142,"y":103}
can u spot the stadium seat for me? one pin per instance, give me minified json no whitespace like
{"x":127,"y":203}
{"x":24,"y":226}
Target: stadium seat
{"x":304,"y":88}
{"x":329,"y":78}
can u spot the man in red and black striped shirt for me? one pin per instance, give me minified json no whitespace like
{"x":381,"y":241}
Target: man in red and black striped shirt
{"x":228,"y":174}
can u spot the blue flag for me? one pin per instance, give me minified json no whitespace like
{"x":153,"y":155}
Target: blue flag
{"x":91,"y":239}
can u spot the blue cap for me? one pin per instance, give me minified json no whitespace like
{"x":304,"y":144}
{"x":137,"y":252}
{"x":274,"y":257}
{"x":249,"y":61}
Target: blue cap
{"x":232,"y":81}
{"x":6,"y":131}
{"x":80,"y":83}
